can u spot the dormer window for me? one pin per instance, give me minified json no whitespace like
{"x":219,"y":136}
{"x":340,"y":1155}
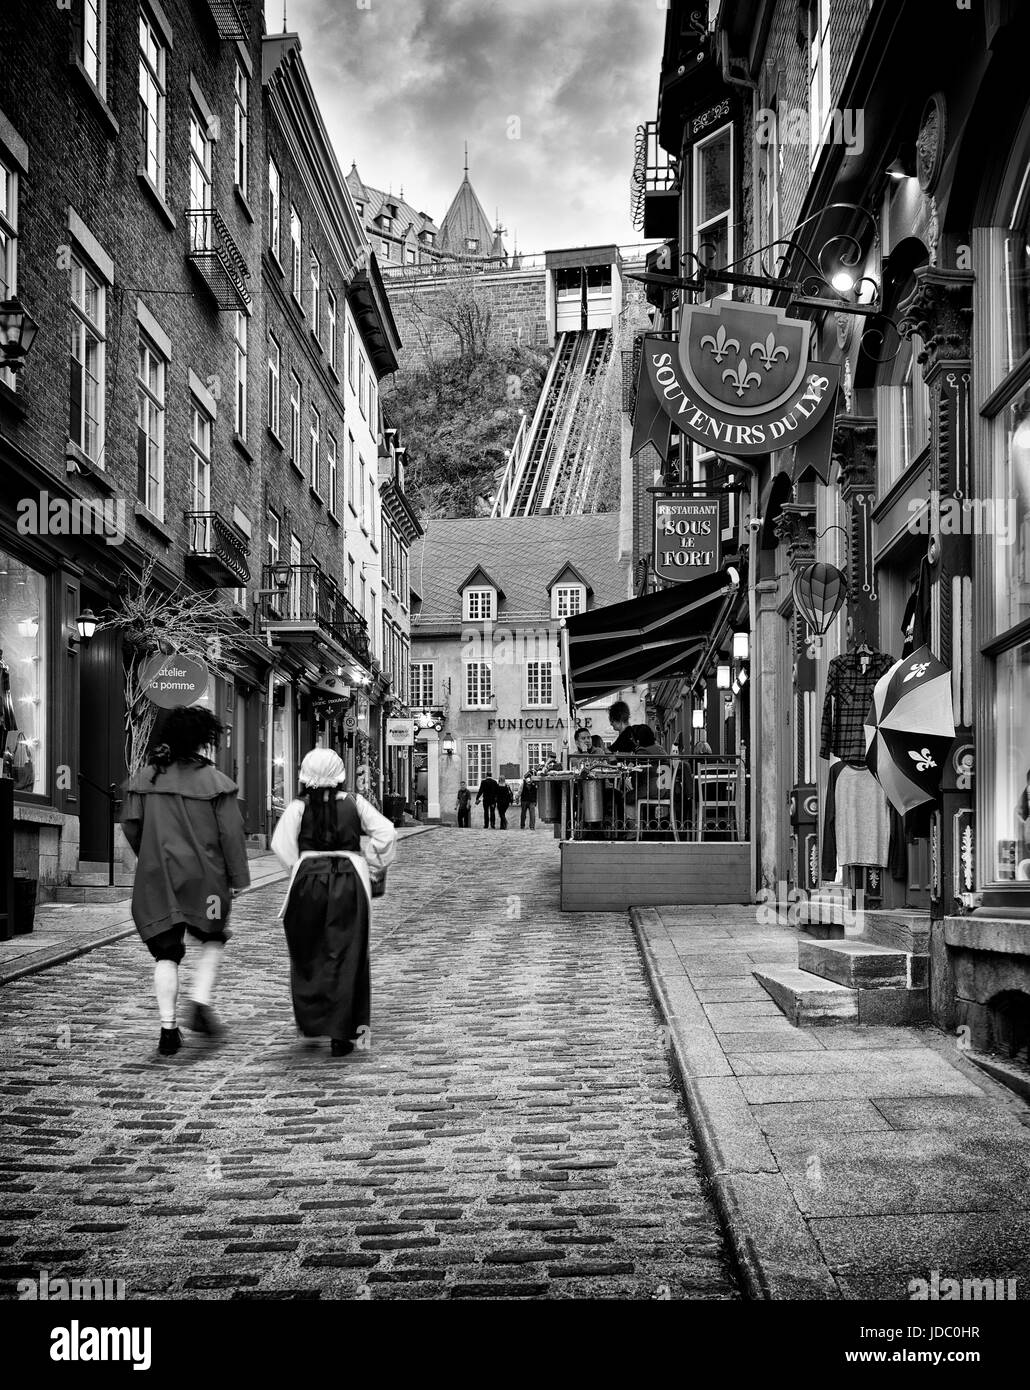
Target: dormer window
{"x":480,"y":605}
{"x":567,"y":600}
{"x":361,"y":209}
{"x":471,"y":243}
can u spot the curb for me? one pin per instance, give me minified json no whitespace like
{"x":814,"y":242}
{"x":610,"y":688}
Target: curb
{"x":803,"y":1273}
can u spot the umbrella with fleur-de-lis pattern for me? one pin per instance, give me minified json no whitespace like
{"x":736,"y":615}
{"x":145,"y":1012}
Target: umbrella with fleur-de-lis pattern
{"x":910,"y":728}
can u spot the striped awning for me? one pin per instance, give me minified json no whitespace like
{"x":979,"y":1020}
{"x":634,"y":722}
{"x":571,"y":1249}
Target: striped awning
{"x":645,"y":639}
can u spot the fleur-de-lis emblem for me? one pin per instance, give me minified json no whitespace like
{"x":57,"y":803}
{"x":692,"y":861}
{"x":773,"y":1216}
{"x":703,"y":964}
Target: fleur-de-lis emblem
{"x":721,"y":344}
{"x":741,"y":377}
{"x":916,"y":670}
{"x":923,"y":759}
{"x":768,"y":352}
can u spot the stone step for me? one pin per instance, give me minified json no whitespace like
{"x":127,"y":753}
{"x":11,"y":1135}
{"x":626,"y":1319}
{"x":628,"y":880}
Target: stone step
{"x":98,"y":878}
{"x":807,"y":998}
{"x":67,"y":894}
{"x":900,"y":931}
{"x":855,"y":963}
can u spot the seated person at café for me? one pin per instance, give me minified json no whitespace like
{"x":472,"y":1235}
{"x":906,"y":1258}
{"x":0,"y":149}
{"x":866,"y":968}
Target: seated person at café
{"x":598,"y":745}
{"x":581,"y":741}
{"x":632,"y":738}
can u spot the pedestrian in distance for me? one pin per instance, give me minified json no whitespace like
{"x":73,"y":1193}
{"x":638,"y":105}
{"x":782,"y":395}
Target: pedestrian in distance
{"x":328,"y":904}
{"x":527,"y":802}
{"x":182,"y":820}
{"x":488,"y":794}
{"x":504,"y":800}
{"x":463,"y":806}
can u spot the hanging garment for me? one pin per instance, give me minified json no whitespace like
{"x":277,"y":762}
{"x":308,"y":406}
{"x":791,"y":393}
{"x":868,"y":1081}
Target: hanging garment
{"x":861,"y":819}
{"x":829,"y":855}
{"x":849,"y":690}
{"x":915,"y":625}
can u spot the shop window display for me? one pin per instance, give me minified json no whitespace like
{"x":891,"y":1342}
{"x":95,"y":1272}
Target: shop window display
{"x":22,"y":674}
{"x":1012,"y":765}
{"x":1011,"y":520}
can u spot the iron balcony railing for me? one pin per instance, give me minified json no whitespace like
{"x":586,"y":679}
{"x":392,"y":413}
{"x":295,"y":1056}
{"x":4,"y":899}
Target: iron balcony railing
{"x":212,"y":248}
{"x":229,"y":19}
{"x":654,"y":171}
{"x":311,"y":600}
{"x":688,"y":797}
{"x":220,"y":547}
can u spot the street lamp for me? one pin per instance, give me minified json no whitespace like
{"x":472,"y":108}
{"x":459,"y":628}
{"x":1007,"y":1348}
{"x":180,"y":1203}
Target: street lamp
{"x":740,"y":646}
{"x":697,"y":719}
{"x":722,"y":675}
{"x":87,"y":622}
{"x":18,"y":331}
{"x":447,"y":744}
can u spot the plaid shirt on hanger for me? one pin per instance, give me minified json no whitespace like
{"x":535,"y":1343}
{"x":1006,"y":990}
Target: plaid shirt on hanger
{"x":849,"y":691}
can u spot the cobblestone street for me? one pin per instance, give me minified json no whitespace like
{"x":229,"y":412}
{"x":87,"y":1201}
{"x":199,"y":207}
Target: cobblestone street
{"x":513,"y":1131}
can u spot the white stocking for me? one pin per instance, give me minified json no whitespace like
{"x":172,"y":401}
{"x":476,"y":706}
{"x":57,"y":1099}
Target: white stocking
{"x":207,"y":971}
{"x":166,"y":987}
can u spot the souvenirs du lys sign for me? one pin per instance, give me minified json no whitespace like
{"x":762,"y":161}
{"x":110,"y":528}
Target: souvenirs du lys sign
{"x":739,"y":380}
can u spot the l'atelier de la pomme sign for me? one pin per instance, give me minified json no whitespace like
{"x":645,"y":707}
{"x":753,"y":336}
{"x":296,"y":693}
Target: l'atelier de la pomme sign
{"x":739,"y":379}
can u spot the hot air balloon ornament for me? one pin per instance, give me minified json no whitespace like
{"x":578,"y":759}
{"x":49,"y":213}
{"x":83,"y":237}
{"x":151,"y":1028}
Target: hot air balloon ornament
{"x":819,"y":593}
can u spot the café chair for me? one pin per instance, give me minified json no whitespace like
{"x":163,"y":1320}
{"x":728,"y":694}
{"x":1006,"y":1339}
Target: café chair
{"x":663,"y":801}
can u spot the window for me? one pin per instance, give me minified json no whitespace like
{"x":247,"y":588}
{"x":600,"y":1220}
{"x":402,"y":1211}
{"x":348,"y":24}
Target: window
{"x":330,"y":306}
{"x":479,"y":762}
{"x":240,"y":335}
{"x":330,"y":453}
{"x":273,"y":538}
{"x":373,"y":418}
{"x":8,"y":243}
{"x":350,"y":472}
{"x":94,"y":41}
{"x":818,"y":72}
{"x":384,"y":247}
{"x":316,"y":292}
{"x":471,"y":243}
{"x":478,"y":684}
{"x":241,"y":129}
{"x":152,"y":57}
{"x":274,"y":207}
{"x":364,"y":592}
{"x":539,"y":684}
{"x":1009,"y":498}
{"x":479,"y":604}
{"x":538,"y":751}
{"x":295,"y":576}
{"x":410,"y":255}
{"x":200,"y":181}
{"x":25,"y":639}
{"x":295,"y":402}
{"x":295,"y":237}
{"x":88,"y":318}
{"x":274,"y":356}
{"x":1011,"y":778}
{"x":568,"y":600}
{"x":423,"y":686}
{"x":350,"y":355}
{"x":350,"y":578}
{"x":200,"y":465}
{"x":713,"y":194}
{"x":372,"y":628}
{"x":769,"y":150}
{"x":361,"y":384}
{"x":316,"y":444}
{"x":150,"y":427}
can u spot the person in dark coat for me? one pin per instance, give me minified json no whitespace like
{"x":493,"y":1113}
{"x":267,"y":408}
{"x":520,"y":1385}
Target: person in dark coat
{"x":328,"y":905}
{"x":463,"y":806}
{"x":631,"y":737}
{"x":527,"y":801}
{"x":182,"y":820}
{"x":504,"y":800}
{"x":488,"y":794}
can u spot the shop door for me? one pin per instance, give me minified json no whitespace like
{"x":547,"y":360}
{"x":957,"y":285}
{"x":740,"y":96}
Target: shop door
{"x":101,"y":736}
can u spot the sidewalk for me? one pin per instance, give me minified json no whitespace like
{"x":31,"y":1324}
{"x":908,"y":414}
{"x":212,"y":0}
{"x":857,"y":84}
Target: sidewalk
{"x":62,"y":931}
{"x":845,"y":1160}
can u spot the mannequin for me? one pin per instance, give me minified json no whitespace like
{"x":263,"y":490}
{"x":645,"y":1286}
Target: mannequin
{"x":857,"y":826}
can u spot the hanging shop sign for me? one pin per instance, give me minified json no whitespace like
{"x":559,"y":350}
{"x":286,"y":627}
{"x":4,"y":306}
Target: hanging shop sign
{"x":686,"y":537}
{"x":739,"y":380}
{"x":174,"y":680}
{"x":400,"y":733}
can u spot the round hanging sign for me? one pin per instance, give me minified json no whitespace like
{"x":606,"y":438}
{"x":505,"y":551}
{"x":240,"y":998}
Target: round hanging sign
{"x":174,"y":680}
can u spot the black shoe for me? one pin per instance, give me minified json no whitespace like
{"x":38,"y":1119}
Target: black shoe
{"x":340,"y":1047}
{"x":202,"y":1020}
{"x":169,"y":1042}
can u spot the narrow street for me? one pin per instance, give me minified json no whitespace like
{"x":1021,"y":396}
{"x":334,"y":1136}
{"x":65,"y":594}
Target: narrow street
{"x":513,"y":1131}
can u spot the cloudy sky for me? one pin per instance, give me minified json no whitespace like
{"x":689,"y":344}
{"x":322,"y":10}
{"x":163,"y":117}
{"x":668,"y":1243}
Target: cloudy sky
{"x":403,"y":83}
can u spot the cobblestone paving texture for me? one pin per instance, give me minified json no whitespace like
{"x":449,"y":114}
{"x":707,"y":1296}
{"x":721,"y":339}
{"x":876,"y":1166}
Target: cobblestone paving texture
{"x":512,"y":1130}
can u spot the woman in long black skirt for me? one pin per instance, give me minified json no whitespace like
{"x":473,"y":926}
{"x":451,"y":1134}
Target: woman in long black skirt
{"x":328,"y":906}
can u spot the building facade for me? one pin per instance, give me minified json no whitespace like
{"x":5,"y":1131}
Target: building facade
{"x":486,"y":684}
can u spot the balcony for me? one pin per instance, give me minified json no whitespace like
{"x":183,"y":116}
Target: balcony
{"x":654,"y":186}
{"x":212,"y":249}
{"x":218,"y":549}
{"x":311,"y":607}
{"x":229,"y":19}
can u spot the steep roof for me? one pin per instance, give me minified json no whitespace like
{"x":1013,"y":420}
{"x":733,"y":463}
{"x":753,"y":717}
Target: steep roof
{"x":521,"y":553}
{"x":465,"y":220}
{"x":375,"y":202}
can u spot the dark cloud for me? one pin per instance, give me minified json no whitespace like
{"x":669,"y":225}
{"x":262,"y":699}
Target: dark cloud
{"x":403,"y":83}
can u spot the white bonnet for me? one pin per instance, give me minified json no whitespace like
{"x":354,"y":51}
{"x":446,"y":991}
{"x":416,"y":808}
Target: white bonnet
{"x":322,"y":768}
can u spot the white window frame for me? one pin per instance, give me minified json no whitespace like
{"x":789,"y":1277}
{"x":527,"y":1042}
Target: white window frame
{"x":539,"y":673}
{"x":151,"y":406}
{"x":296,"y":406}
{"x":201,"y":179}
{"x":8,"y":244}
{"x":274,"y":532}
{"x":361,"y":384}
{"x":560,"y":607}
{"x":477,"y":684}
{"x":351,"y":470}
{"x":535,"y":755}
{"x":241,"y":333}
{"x":274,"y":385}
{"x":275,"y":197}
{"x":153,"y":61}
{"x":332,"y":465}
{"x":819,"y":74}
{"x":728,"y":214}
{"x":423,"y":691}
{"x":89,"y":328}
{"x":241,"y":144}
{"x":332,"y":313}
{"x":296,"y":241}
{"x":316,"y":293}
{"x":474,"y":757}
{"x":480,"y":604}
{"x":350,"y":355}
{"x":315,"y":449}
{"x":201,"y":431}
{"x":93,"y":54}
